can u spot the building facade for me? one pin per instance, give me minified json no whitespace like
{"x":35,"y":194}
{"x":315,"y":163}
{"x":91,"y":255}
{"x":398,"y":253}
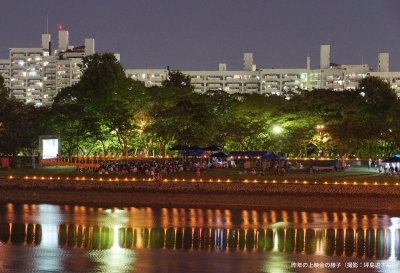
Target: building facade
{"x":274,"y":81}
{"x":37,"y":75}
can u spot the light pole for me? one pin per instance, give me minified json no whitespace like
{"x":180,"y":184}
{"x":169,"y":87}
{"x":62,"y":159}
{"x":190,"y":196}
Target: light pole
{"x":320,"y":128}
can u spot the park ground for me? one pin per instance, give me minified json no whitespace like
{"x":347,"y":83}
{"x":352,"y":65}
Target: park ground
{"x":358,"y":173}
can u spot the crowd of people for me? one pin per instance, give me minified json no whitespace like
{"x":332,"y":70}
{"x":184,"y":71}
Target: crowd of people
{"x":146,"y":167}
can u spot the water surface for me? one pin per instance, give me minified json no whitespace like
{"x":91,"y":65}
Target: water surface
{"x":52,"y":238}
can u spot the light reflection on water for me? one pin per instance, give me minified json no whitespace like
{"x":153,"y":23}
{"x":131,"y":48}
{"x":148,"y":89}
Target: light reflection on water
{"x":79,"y":238}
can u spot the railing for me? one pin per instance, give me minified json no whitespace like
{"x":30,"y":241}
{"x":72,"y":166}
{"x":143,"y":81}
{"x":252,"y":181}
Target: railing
{"x":85,"y":161}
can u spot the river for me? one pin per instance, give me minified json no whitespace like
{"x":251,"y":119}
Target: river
{"x":54,"y":238}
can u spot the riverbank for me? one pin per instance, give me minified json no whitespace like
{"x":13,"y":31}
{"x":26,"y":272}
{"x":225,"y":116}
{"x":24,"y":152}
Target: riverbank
{"x":201,"y":194}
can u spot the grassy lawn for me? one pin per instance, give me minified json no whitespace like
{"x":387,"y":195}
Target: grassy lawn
{"x":358,"y":174}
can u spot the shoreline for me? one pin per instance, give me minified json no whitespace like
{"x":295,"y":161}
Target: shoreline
{"x":202,"y":194}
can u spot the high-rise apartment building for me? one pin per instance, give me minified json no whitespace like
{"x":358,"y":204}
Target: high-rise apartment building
{"x":36,"y":75}
{"x":274,"y":81}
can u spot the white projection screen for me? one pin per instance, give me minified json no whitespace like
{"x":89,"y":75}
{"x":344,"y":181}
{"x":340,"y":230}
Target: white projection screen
{"x":49,"y":146}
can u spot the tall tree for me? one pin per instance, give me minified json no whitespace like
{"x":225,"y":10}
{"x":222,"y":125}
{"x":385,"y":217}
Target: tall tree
{"x":106,"y":94}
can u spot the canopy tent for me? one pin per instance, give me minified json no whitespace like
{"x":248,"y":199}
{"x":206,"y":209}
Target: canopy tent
{"x":195,"y":153}
{"x":219,"y":154}
{"x":214,"y":148}
{"x":272,"y":156}
{"x":178,"y":148}
{"x":195,"y":148}
{"x":392,"y":159}
{"x":248,"y":153}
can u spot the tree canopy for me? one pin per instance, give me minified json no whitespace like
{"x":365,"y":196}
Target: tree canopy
{"x":107,"y":112}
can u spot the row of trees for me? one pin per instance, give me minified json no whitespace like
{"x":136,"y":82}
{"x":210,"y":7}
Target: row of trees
{"x":108,"y":112}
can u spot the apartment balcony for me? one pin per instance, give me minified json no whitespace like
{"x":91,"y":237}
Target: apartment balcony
{"x":234,"y":85}
{"x":17,"y":55}
{"x":194,"y":80}
{"x":333,"y":85}
{"x":19,"y":96}
{"x":271,"y":89}
{"x":233,"y":79}
{"x":233,"y":89}
{"x":251,"y":79}
{"x":214,"y":84}
{"x":356,"y":77}
{"x":291,"y":83}
{"x":251,"y":89}
{"x":34,"y":96}
{"x":271,"y":77}
{"x":333,"y":78}
{"x":352,"y":84}
{"x":13,"y":85}
{"x":272,"y":83}
{"x":214,"y":78}
{"x":199,"y":89}
{"x":34,"y":77}
{"x":37,"y":101}
{"x":247,"y":85}
{"x":291,"y":77}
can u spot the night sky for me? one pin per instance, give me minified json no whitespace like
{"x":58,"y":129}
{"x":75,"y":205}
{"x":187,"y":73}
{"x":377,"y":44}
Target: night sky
{"x":197,"y":35}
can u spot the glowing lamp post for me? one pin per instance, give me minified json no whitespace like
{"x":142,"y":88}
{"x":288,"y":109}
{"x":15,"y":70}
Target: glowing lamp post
{"x":320,"y":128}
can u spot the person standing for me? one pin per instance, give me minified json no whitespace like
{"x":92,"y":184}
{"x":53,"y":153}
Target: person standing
{"x":369,"y":164}
{"x":198,"y":170}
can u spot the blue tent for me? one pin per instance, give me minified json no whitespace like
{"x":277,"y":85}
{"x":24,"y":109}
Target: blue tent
{"x":195,"y":153}
{"x":391,"y":159}
{"x":196,"y":148}
{"x":272,"y":156}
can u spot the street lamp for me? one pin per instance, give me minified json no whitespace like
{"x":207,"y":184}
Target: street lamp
{"x":320,"y":128}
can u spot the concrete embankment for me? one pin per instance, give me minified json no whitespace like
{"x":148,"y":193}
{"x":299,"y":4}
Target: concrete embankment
{"x":201,"y":194}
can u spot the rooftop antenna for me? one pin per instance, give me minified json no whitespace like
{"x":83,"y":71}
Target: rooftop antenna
{"x":47,"y":25}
